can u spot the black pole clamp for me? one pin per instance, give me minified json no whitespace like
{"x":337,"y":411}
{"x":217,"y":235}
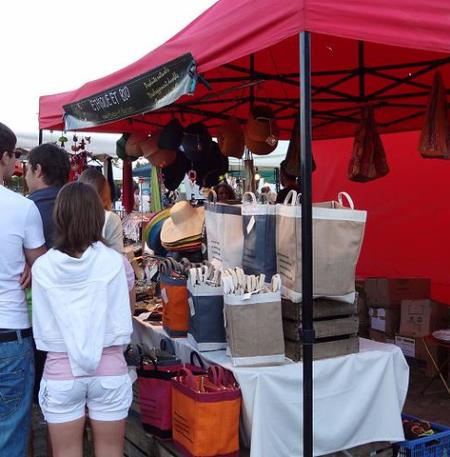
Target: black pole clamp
{"x":307,"y":336}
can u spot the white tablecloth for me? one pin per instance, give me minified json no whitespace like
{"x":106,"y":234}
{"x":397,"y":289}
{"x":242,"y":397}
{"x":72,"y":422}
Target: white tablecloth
{"x":358,"y":398}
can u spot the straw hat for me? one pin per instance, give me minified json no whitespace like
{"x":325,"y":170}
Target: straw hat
{"x":132,"y":147}
{"x":230,"y":137}
{"x":156,"y":156}
{"x":261,"y":131}
{"x":184,"y":222}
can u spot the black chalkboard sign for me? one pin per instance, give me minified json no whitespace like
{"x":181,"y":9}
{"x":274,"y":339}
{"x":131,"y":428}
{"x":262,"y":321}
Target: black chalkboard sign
{"x":148,"y":92}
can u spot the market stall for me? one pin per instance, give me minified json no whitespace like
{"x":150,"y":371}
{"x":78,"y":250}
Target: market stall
{"x":248,"y":58}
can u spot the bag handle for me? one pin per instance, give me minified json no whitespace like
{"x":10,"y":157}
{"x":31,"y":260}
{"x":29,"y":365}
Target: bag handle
{"x":186,"y":378}
{"x":141,"y":358}
{"x":291,"y":198}
{"x":252,"y":197}
{"x":167,"y":345}
{"x":214,"y":196}
{"x":348,"y":198}
{"x":195,"y":356}
{"x":222,"y":377}
{"x":215,"y":374}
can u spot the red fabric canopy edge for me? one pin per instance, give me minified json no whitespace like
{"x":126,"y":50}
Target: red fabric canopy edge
{"x":232,"y":29}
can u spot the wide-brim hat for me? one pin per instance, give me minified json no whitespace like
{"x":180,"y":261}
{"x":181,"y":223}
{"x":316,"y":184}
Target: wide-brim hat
{"x":184,"y":241}
{"x":213,"y":165}
{"x":174,"y":173}
{"x":132,"y":146}
{"x":156,"y":156}
{"x":230,"y":137}
{"x":261,"y":131}
{"x":120,"y":147}
{"x":185,"y":221}
{"x":171,"y":135}
{"x":154,"y":239}
{"x":154,"y":219}
{"x":196,"y":141}
{"x":185,"y":248}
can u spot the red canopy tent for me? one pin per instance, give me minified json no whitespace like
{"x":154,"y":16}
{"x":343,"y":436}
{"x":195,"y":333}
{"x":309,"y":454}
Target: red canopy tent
{"x":248,"y":51}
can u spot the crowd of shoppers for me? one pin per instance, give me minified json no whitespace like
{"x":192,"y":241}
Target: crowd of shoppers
{"x":82,"y":293}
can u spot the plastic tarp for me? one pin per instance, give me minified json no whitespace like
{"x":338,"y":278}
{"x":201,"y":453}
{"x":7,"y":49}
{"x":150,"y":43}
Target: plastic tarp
{"x":222,"y":39}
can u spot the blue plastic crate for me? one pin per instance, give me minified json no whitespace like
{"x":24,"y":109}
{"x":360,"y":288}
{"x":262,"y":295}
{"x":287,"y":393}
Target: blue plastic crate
{"x":437,"y":445}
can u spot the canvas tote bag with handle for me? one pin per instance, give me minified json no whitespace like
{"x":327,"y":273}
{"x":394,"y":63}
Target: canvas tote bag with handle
{"x":206,"y":411}
{"x":225,"y":239}
{"x":254,"y":328}
{"x":259,"y":252}
{"x":338,"y":233}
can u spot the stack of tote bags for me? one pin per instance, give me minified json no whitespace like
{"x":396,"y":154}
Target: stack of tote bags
{"x":266,"y":239}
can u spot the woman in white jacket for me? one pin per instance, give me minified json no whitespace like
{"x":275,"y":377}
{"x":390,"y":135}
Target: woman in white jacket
{"x":82,"y":318}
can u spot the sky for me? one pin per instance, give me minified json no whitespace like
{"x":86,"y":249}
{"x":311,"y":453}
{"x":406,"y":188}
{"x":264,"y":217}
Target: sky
{"x":51,"y":46}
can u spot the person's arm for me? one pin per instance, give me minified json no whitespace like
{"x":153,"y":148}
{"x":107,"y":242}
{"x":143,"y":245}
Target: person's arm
{"x":30,"y":256}
{"x":132,"y":300}
{"x":130,"y":282}
{"x":33,"y":241}
{"x":114,"y":233}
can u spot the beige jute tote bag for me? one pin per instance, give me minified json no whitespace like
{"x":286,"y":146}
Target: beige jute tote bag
{"x":338,"y":233}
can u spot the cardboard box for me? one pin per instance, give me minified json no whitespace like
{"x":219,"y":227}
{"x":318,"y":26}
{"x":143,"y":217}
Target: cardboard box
{"x":384,"y":320}
{"x":422,"y":317}
{"x":380,"y":337}
{"x":413,"y":347}
{"x":407,"y":345}
{"x":388,"y":293}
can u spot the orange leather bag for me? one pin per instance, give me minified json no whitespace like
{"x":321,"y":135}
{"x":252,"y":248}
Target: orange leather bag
{"x":175,"y":317}
{"x":205,"y":413}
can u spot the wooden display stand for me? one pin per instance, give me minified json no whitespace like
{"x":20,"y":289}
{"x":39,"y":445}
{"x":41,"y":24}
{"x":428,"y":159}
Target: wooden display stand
{"x":336,"y":325}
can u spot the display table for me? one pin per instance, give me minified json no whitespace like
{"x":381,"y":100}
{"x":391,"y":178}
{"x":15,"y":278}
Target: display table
{"x":358,"y":398}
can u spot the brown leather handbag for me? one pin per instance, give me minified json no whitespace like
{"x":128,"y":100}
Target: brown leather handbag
{"x":368,"y":160}
{"x":435,"y":136}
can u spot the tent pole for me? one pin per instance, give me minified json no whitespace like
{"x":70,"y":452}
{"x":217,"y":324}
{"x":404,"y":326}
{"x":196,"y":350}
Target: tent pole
{"x":307,"y":330}
{"x":361,"y":71}
{"x":40,"y":136}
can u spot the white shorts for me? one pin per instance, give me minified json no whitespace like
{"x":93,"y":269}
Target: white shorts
{"x":107,"y":398}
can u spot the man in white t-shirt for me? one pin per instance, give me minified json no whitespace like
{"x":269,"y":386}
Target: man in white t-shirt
{"x":21,"y":242}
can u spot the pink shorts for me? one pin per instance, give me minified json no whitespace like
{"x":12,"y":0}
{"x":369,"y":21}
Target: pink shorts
{"x":107,"y":398}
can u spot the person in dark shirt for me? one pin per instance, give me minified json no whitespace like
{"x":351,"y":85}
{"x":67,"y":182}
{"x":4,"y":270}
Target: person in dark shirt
{"x":47,"y":171}
{"x":288,"y":182}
